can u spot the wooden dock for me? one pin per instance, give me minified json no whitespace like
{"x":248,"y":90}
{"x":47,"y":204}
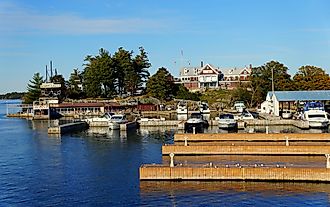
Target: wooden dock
{"x":67,"y":128}
{"x":325,"y":137}
{"x":161,"y":172}
{"x":245,"y":150}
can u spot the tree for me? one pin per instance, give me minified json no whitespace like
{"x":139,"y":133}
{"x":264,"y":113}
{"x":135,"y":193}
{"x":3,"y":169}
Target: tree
{"x":140,"y":65}
{"x":161,"y":84}
{"x":33,"y":89}
{"x":182,"y":92}
{"x":241,"y":93}
{"x":74,"y":90}
{"x":59,"y":79}
{"x":311,"y":78}
{"x":261,"y":80}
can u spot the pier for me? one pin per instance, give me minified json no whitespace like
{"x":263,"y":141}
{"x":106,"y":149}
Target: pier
{"x":212,"y":172}
{"x":252,"y":137}
{"x":245,"y":150}
{"x":67,"y":128}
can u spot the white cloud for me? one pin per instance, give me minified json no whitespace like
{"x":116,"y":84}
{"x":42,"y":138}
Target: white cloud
{"x":16,"y":20}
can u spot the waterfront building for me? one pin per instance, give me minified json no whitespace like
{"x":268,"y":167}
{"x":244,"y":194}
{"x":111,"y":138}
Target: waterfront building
{"x":278,"y":101}
{"x":209,"y":76}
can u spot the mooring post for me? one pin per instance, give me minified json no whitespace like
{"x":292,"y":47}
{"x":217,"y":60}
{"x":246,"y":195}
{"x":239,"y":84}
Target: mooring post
{"x":185,"y":141}
{"x":286,"y":141}
{"x":267,"y":129}
{"x":328,"y":160}
{"x":194,"y":130}
{"x":172,"y":159}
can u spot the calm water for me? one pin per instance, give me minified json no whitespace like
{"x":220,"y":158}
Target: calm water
{"x":100,"y":168}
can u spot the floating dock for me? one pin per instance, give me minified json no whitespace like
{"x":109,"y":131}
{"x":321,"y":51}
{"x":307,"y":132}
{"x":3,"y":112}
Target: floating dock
{"x":68,"y":128}
{"x":245,"y":150}
{"x":161,"y":172}
{"x":324,"y":137}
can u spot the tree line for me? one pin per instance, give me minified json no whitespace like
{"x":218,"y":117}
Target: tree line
{"x":124,"y":74}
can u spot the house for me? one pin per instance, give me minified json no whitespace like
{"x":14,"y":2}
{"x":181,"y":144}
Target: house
{"x":209,"y":76}
{"x":233,"y":77}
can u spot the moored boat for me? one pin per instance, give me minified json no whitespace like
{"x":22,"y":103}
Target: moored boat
{"x":227,"y":121}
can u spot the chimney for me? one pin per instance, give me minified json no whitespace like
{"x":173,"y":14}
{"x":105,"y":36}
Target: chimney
{"x":202,"y":64}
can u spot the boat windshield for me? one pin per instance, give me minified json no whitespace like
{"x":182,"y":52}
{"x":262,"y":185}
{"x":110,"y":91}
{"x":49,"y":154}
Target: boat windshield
{"x":316,"y":116}
{"x":195,"y":115}
{"x":116,"y":117}
{"x":226,"y":116}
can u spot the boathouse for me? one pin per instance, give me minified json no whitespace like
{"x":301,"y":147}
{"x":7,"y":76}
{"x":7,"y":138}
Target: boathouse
{"x":278,"y":101}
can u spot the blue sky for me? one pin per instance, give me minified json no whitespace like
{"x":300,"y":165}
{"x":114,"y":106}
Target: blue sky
{"x":225,"y":33}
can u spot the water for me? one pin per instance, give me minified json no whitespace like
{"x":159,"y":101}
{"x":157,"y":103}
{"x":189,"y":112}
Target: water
{"x":100,"y":168}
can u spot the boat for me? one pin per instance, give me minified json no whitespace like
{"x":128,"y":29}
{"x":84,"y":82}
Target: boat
{"x":204,"y":108}
{"x":246,"y":115}
{"x":239,"y":106}
{"x":227,"y":121}
{"x":315,"y":114}
{"x":182,"y":108}
{"x":116,"y":120}
{"x":196,"y":120}
{"x":104,"y":118}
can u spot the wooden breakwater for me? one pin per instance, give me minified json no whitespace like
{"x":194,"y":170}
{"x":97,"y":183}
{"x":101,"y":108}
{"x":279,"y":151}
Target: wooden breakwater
{"x":253,"y":137}
{"x":68,"y":128}
{"x":244,"y":150}
{"x":159,"y":172}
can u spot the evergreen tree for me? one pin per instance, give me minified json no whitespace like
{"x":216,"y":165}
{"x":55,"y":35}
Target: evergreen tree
{"x":33,"y":89}
{"x":161,"y":85}
{"x":74,"y":85}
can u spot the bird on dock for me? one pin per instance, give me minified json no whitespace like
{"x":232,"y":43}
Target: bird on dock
{"x":255,"y":165}
{"x":277,"y":165}
{"x":237,"y":165}
{"x":261,"y":165}
{"x":227,"y":166}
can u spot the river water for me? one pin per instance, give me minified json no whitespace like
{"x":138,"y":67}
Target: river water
{"x":100,"y":168}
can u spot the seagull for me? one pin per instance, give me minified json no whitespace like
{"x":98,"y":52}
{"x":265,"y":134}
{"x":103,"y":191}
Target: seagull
{"x":277,"y":165}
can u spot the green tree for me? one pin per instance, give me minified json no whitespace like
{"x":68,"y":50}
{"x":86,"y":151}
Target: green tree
{"x":140,"y":64}
{"x":241,"y":93}
{"x":99,"y":75}
{"x":261,"y":80}
{"x":311,"y":78}
{"x":161,"y":84}
{"x":182,"y":92}
{"x":74,"y":90}
{"x":33,"y":89}
{"x":59,"y":79}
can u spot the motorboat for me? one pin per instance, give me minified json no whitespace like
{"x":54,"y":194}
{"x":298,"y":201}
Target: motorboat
{"x":239,"y":106}
{"x":106,"y":117}
{"x":204,"y":108}
{"x":287,"y":114}
{"x":245,"y":115}
{"x":182,"y":108}
{"x":116,"y":120}
{"x":315,"y":114}
{"x":227,"y":121}
{"x":196,"y":120}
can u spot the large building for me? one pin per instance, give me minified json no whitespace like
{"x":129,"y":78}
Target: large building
{"x":209,"y":76}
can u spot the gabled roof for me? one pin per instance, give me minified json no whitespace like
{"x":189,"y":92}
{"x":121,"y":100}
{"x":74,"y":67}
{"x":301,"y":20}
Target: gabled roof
{"x":235,"y":71}
{"x":317,"y":95}
{"x":208,"y":67}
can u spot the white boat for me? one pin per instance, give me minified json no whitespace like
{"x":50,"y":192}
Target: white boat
{"x":246,"y":115}
{"x":196,"y":120}
{"x":116,"y":120}
{"x":182,"y":108}
{"x":104,"y":118}
{"x":227,"y":121}
{"x":316,"y":118}
{"x":315,"y":114}
{"x":239,"y":106}
{"x":204,"y":108}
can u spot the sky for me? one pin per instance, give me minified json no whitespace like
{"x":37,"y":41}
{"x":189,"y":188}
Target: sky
{"x":224,"y":33}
